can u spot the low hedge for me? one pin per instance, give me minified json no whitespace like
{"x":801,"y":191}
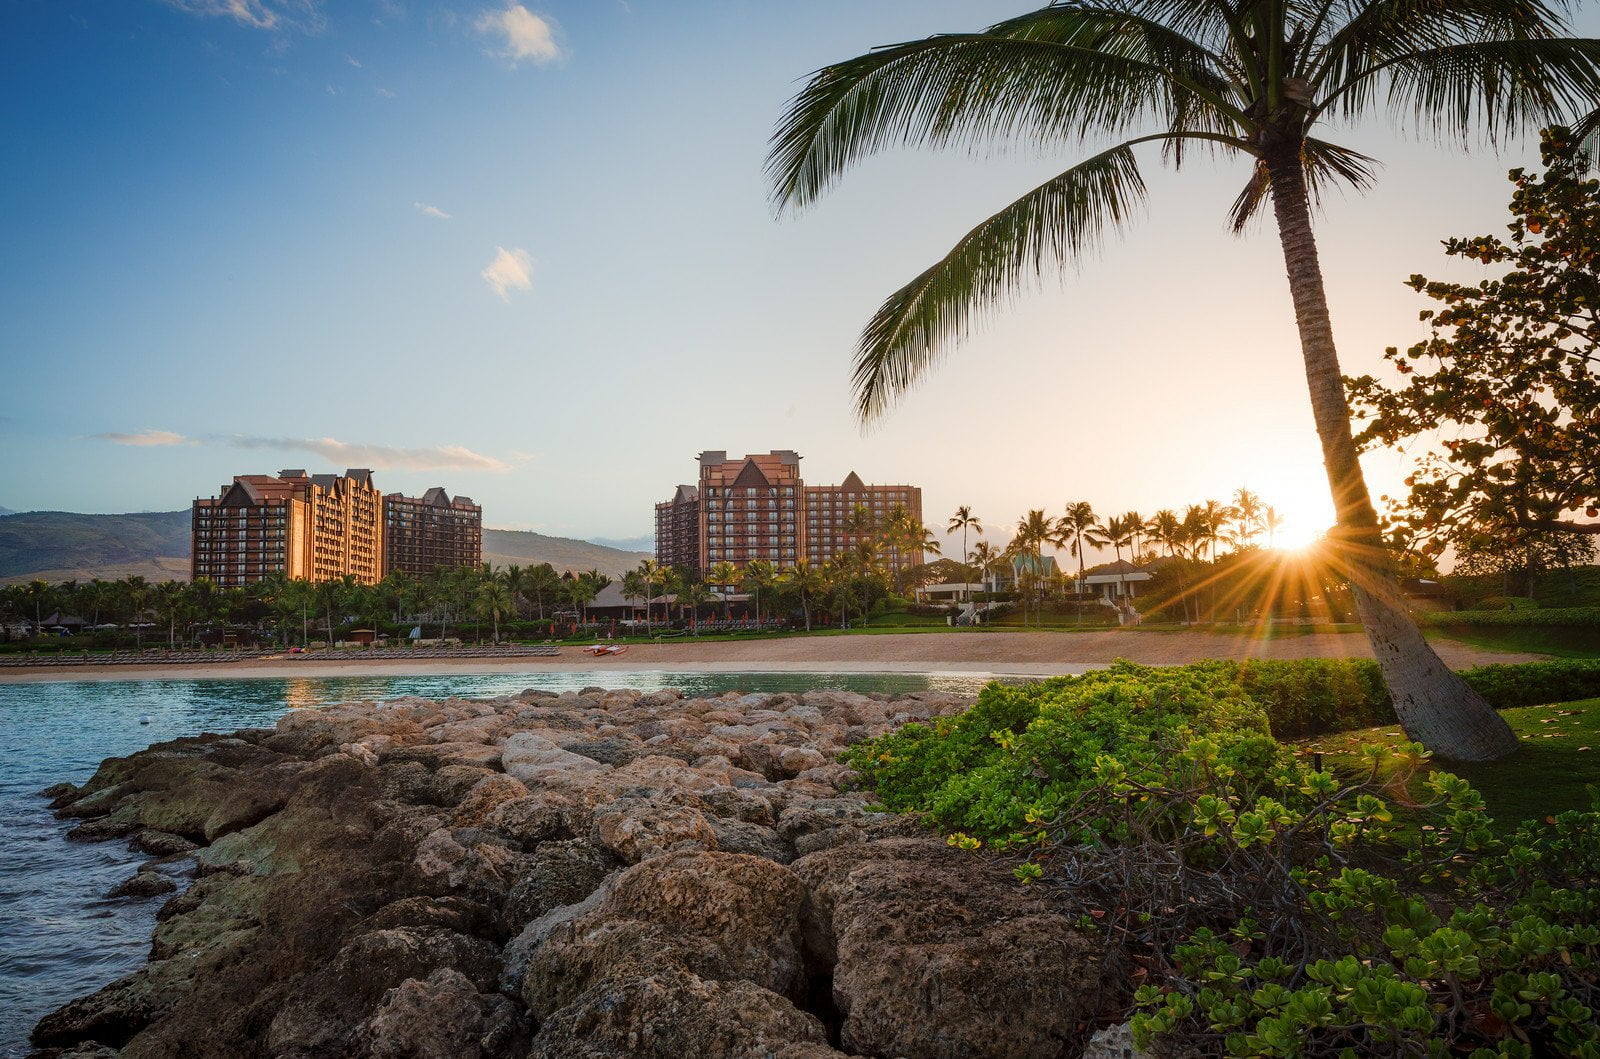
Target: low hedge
{"x":1581,"y":617}
{"x":1315,"y":696}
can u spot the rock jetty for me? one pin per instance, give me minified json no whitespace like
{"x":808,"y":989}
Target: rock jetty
{"x":596,"y":874}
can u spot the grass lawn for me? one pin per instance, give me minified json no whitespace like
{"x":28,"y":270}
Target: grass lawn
{"x":1555,"y":640}
{"x":1560,"y":755}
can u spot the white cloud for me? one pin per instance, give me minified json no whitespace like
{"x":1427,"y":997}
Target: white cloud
{"x":384,"y":92}
{"x":431,"y":211}
{"x":381,"y":457}
{"x":509,"y":269}
{"x":353,"y":61}
{"x":527,"y":36}
{"x":146,"y":438}
{"x":258,"y":14}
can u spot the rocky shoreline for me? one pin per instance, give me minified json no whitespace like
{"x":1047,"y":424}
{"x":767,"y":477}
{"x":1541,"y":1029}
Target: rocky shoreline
{"x":592,"y":874}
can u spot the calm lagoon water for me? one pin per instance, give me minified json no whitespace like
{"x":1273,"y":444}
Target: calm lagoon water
{"x":58,"y":937}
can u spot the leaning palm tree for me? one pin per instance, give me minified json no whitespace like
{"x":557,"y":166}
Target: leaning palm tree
{"x":965,"y":520}
{"x":1272,"y":521}
{"x":1252,"y":79}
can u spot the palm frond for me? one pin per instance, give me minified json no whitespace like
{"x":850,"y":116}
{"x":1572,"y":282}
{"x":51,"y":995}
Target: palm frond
{"x":1497,"y":88}
{"x":1325,"y":165}
{"x":1051,"y":223}
{"x":972,"y":88}
{"x":1374,"y":32}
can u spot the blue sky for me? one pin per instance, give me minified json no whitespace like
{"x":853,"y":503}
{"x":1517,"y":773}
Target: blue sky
{"x":526,"y":252}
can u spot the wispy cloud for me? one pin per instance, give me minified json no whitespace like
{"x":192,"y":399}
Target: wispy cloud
{"x":146,"y":438}
{"x":258,"y":14}
{"x":380,"y":457}
{"x":353,"y":61}
{"x":431,"y":211}
{"x":525,"y":34}
{"x":510,"y":269}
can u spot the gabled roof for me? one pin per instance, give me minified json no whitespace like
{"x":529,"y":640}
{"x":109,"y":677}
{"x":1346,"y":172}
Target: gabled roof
{"x":1120,"y":566}
{"x":853,"y":484}
{"x":686,"y":493}
{"x":751,"y":477}
{"x":437,"y":497}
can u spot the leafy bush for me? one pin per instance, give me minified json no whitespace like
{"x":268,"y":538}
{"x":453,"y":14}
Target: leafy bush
{"x":1584,"y":617}
{"x":1273,"y":909}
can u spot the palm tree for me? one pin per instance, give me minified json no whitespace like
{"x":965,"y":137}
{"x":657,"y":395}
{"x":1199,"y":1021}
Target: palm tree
{"x":725,"y":576}
{"x":1071,"y":530}
{"x":1272,"y":522}
{"x":759,"y":574}
{"x":807,"y":583}
{"x":1247,"y":515}
{"x":1033,"y":530}
{"x":1115,"y":533}
{"x":634,"y":586}
{"x":494,"y":598}
{"x":691,"y":597}
{"x":516,"y":580}
{"x":543,"y":581}
{"x":965,"y":520}
{"x":1247,"y":78}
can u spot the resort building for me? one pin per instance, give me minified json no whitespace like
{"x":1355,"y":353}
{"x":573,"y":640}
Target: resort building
{"x":751,"y":509}
{"x":1112,"y":581}
{"x":832,"y":511}
{"x":431,"y":532}
{"x":678,"y":529}
{"x":759,"y":507}
{"x":307,"y":527}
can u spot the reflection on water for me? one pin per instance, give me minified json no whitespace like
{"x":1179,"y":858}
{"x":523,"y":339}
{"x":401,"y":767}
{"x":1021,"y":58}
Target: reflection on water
{"x":58,"y":937}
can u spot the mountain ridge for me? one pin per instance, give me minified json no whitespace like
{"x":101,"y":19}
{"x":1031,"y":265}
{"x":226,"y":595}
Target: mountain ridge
{"x":69,"y":546}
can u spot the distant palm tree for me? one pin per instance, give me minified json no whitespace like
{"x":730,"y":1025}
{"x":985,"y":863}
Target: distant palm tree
{"x":691,"y":597}
{"x":759,"y":574}
{"x":1272,"y":521}
{"x":1247,"y":515}
{"x":494,"y":598}
{"x":1115,"y":533}
{"x":807,"y":583}
{"x":1070,"y":531}
{"x":965,"y":520}
{"x":1034,"y":530}
{"x":516,"y":579}
{"x":650,"y":572}
{"x":726,"y":577}
{"x":1251,"y":79}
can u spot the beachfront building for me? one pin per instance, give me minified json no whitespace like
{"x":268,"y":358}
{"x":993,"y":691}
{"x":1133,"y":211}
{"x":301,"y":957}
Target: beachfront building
{"x":751,"y":509}
{"x":308,"y":527}
{"x":1112,"y":581}
{"x":759,"y":507}
{"x":678,"y":529}
{"x":831,"y":509}
{"x":430,"y":532}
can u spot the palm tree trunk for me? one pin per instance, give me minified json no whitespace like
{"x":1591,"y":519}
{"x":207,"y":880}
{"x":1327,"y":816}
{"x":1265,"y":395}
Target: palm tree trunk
{"x":1434,"y":705}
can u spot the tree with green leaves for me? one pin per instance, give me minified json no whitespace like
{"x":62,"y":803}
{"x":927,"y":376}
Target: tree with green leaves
{"x":1251,"y":79}
{"x":965,"y":520}
{"x":1072,"y":531}
{"x":726,"y":577}
{"x":1504,"y":394}
{"x":757,"y":576}
{"x":1116,"y":533}
{"x":492,"y":601}
{"x":806,"y":583}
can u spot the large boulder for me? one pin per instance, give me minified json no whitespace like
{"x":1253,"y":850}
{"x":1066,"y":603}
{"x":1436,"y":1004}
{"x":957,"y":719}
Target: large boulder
{"x":937,"y":954}
{"x":442,"y":1017}
{"x":720,"y":916}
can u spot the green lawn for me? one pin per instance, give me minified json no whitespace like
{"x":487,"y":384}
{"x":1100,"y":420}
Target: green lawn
{"x":1560,"y":757}
{"x":1555,"y":640}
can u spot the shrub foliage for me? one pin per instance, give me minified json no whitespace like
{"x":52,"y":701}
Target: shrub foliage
{"x":1272,"y":908}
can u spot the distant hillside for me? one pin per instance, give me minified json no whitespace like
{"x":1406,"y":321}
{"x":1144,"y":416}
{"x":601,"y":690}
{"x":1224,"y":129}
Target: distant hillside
{"x":643,"y":545}
{"x":524,"y":548}
{"x":62,"y":546}
{"x":4,"y":511}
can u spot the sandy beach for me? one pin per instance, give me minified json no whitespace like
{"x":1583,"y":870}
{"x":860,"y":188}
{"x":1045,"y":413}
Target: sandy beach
{"x":1005,"y":653}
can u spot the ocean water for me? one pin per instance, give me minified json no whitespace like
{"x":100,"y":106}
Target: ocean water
{"x":59,"y":937}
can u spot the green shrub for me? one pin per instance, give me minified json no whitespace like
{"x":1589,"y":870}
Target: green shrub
{"x":1276,"y":910}
{"x":1582,"y":617}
